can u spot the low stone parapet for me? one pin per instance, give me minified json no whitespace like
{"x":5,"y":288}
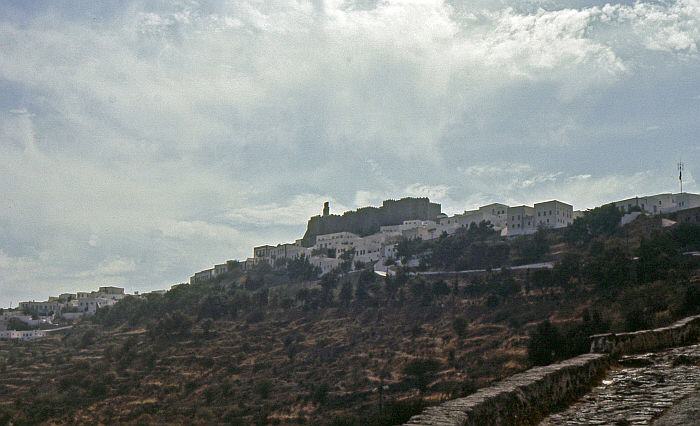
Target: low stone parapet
{"x":522,"y":398}
{"x":527,"y":397}
{"x":680,"y":333}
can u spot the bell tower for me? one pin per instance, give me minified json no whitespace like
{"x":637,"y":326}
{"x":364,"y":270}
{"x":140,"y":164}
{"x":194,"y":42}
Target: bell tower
{"x":326,"y":209}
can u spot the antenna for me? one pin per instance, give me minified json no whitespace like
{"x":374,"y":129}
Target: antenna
{"x":680,"y":174}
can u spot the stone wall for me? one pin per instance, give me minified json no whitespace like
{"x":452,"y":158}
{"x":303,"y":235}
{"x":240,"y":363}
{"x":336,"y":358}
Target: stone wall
{"x":521,"y":399}
{"x":367,"y":220}
{"x":527,"y":397}
{"x":680,"y":333}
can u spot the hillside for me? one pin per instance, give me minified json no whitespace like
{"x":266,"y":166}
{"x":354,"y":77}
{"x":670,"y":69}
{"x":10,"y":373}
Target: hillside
{"x":273,"y":347}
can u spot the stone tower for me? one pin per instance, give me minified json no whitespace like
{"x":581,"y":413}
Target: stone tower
{"x":326,"y":209}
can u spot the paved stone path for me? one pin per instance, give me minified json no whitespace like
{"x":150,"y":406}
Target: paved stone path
{"x":687,"y":412}
{"x":639,"y":391}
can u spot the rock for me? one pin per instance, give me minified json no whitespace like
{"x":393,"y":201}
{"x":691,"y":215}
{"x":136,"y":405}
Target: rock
{"x":635,"y":362}
{"x":683,"y":359}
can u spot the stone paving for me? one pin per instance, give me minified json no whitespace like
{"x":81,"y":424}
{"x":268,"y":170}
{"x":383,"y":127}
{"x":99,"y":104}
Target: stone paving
{"x":638,"y":391}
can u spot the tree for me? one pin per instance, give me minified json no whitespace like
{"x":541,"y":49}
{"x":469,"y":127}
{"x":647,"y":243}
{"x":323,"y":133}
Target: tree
{"x":440,"y":288}
{"x":459,"y":325}
{"x":601,"y":221}
{"x":299,"y":268}
{"x":361,"y":293}
{"x":328,"y":283}
{"x":609,"y":267}
{"x":346,"y":260}
{"x":657,"y":255}
{"x":320,"y":394}
{"x":345,"y":295}
{"x":534,"y":248}
{"x":545,"y":344}
{"x":421,"y":372}
{"x":263,"y":389}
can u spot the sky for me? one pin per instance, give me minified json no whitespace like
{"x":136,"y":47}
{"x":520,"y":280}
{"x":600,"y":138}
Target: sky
{"x":141,"y":141}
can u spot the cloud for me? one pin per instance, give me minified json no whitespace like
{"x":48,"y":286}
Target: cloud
{"x":295,"y":212}
{"x":193,"y":230}
{"x":110,"y":268}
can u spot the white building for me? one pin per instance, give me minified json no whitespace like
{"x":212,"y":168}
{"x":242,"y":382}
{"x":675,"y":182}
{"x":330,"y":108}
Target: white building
{"x":554,"y":214}
{"x":41,"y":308}
{"x":22,"y":335}
{"x":369,"y":249}
{"x":427,"y":231}
{"x":339,"y":242}
{"x":271,"y":254}
{"x":495,"y":213}
{"x":325,"y":264}
{"x":90,"y":305}
{"x":202,"y":276}
{"x":111,"y":293}
{"x":521,"y":220}
{"x":660,"y":203}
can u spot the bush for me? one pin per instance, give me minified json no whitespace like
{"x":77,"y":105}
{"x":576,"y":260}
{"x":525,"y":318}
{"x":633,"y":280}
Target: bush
{"x":397,"y":412}
{"x":545,"y":344}
{"x":421,"y":372}
{"x":263,"y":389}
{"x":460,"y":326}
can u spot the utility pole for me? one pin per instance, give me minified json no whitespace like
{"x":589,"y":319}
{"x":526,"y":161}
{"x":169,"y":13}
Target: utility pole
{"x":680,"y":174}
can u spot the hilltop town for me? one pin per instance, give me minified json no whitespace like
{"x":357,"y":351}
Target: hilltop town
{"x":370,"y":236}
{"x":367,"y":237}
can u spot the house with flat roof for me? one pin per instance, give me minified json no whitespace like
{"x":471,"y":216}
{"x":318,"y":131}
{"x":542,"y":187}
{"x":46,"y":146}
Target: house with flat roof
{"x":659,"y":203}
{"x":521,"y":220}
{"x":554,"y":214}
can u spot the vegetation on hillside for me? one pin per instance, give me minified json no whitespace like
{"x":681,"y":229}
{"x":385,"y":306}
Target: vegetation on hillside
{"x":277,"y":346}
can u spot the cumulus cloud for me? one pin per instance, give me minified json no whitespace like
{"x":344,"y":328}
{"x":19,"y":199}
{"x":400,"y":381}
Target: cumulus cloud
{"x":146,"y":140}
{"x":110,"y":267}
{"x":295,"y":212}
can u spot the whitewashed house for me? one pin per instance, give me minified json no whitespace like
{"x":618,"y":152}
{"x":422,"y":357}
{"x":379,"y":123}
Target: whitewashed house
{"x":22,"y":335}
{"x":369,"y":249}
{"x":42,"y":308}
{"x":660,"y":203}
{"x":521,"y":220}
{"x":325,"y":264}
{"x":554,"y":214}
{"x":339,"y":242}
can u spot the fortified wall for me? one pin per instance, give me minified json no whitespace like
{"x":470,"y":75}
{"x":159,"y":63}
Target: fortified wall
{"x":525,"y":398}
{"x":367,"y":220}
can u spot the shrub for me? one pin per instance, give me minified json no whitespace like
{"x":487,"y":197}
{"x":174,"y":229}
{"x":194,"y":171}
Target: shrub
{"x":545,"y":344}
{"x":263,"y":389}
{"x":421,"y":372}
{"x":459,"y":325}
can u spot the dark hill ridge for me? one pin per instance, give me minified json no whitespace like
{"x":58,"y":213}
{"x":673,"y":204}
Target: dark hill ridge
{"x":367,"y":220}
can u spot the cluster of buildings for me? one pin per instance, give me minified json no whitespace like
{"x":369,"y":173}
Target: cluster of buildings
{"x":22,"y":334}
{"x":379,"y":249}
{"x":68,"y":306}
{"x":74,"y":305}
